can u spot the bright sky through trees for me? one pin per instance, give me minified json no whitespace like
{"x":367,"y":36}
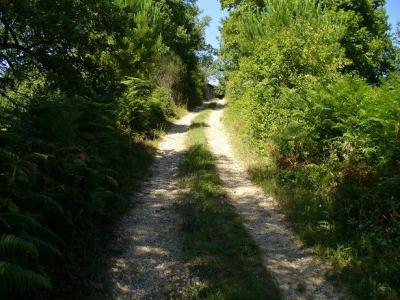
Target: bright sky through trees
{"x":393,"y":10}
{"x":213,"y":9}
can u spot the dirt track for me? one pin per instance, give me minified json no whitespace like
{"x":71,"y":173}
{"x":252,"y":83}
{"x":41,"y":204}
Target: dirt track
{"x":297,"y":271}
{"x":151,"y":266}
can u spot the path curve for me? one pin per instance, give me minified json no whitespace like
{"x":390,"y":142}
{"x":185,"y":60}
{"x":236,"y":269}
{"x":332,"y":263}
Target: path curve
{"x":299,"y":274}
{"x":149,"y":267}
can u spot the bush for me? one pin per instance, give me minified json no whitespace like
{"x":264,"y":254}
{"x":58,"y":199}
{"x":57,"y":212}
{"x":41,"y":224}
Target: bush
{"x":331,"y":141}
{"x":335,"y":149}
{"x":69,"y":128}
{"x":143,"y":110}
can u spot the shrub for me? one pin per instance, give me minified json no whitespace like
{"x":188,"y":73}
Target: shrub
{"x":143,"y":109}
{"x":330,"y":140}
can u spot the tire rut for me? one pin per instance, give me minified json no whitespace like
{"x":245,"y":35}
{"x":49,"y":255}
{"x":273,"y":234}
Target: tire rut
{"x":298,"y":273}
{"x":150,"y":266}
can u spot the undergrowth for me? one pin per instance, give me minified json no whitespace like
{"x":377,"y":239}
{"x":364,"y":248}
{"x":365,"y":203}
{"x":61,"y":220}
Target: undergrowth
{"x":221,"y":254}
{"x":84,"y":85}
{"x":62,"y":180}
{"x":321,"y":113}
{"x":338,"y":222}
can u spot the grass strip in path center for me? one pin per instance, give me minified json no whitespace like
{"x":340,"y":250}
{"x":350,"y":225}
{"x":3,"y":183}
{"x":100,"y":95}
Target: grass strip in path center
{"x":217,"y":247}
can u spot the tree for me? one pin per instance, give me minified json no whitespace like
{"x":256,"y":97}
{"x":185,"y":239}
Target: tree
{"x":82,"y":82}
{"x":66,"y":44}
{"x":232,"y":4}
{"x":367,"y":41}
{"x":312,"y":92}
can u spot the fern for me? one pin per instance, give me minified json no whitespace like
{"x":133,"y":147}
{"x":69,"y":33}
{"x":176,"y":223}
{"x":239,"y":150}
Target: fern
{"x":15,"y":220}
{"x":137,"y":87}
{"x":11,"y":246}
{"x":49,"y":205}
{"x":45,"y":248}
{"x":13,"y":278}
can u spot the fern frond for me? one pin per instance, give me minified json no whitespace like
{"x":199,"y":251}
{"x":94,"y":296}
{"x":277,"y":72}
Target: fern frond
{"x":11,"y":246}
{"x":45,"y":248}
{"x":137,"y":87}
{"x":16,"y":220}
{"x":13,"y":278}
{"x":49,"y":205}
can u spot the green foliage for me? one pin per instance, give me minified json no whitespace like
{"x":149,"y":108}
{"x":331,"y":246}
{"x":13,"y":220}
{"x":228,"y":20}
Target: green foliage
{"x":65,"y":172}
{"x":330,"y":139}
{"x":41,"y":39}
{"x":142,"y":110}
{"x":14,"y":278}
{"x":365,"y":38}
{"x":366,"y":41}
{"x":82,"y":84}
{"x":231,"y":4}
{"x":16,"y":252}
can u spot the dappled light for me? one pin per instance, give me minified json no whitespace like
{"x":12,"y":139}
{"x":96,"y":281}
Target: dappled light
{"x":199,"y":149}
{"x":151,"y":257}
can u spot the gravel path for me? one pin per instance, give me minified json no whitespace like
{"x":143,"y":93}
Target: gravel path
{"x":149,"y":267}
{"x":299,"y":274}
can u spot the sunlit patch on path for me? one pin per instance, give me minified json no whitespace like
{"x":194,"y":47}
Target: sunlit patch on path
{"x":149,"y":266}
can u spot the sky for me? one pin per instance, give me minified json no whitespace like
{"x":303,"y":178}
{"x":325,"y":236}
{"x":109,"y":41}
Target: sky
{"x":213,"y":9}
{"x":393,"y":10}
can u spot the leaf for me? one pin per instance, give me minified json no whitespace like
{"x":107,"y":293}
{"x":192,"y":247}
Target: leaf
{"x":15,"y":279}
{"x":11,"y":245}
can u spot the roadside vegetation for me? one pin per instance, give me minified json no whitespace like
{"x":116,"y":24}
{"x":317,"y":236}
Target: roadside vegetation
{"x":314,"y":93}
{"x":83,"y":86}
{"x":222,"y":256}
